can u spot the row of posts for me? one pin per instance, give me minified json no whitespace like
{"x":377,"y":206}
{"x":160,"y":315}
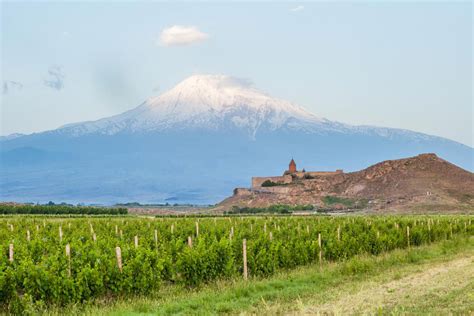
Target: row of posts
{"x":118,"y":253}
{"x":190,"y":243}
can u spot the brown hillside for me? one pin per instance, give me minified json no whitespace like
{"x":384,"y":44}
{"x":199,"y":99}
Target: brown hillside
{"x":418,"y":182}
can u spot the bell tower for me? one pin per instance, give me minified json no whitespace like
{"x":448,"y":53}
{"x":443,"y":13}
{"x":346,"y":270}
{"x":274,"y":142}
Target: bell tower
{"x":292,"y":166}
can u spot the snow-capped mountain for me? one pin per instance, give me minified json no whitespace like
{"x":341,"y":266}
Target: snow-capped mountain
{"x":210,"y":102}
{"x":217,"y":103}
{"x":195,"y":143}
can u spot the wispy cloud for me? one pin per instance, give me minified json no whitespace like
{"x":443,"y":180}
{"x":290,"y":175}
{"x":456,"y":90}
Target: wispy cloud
{"x":9,"y":86}
{"x":113,"y":83}
{"x":181,"y":35}
{"x":297,"y":8}
{"x":55,"y":78}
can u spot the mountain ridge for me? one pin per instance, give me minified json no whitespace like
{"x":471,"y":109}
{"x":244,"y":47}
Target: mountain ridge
{"x":209,"y":101}
{"x":151,"y":154}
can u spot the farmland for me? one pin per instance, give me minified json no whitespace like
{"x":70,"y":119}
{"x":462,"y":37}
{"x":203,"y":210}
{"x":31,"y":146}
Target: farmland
{"x":59,"y":261}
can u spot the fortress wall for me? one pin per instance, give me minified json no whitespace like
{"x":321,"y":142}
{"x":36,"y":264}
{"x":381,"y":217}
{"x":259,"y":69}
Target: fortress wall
{"x":278,"y":190}
{"x":242,"y":191}
{"x":301,"y":174}
{"x":257,"y":181}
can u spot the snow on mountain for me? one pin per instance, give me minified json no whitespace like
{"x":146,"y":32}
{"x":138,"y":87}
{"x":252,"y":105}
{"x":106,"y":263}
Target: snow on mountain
{"x":205,"y":101}
{"x":220,"y":102}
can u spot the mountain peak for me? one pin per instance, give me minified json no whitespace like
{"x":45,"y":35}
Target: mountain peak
{"x":202,"y":93}
{"x":218,"y":103}
{"x":217,"y":81}
{"x":213,"y":91}
{"x":213,"y":101}
{"x":209,"y":102}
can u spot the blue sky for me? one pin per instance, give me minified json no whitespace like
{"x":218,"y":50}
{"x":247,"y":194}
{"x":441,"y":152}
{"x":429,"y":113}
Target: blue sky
{"x":405,"y":65}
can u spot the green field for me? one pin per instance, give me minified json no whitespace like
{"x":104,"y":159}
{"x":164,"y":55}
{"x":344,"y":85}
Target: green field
{"x":195,"y":265}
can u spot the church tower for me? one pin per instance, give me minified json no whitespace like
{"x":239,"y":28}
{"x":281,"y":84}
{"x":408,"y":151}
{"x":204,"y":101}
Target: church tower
{"x":292,"y":167}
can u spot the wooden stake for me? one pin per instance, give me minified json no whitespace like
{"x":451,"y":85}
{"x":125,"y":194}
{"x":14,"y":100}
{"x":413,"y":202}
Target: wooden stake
{"x":60,"y":234}
{"x":118,"y":253}
{"x":271,"y":236}
{"x":68,"y":255}
{"x":320,"y":250}
{"x":116,"y":230}
{"x":197,"y":229}
{"x":408,"y":236}
{"x":136,"y":241}
{"x":190,"y":242}
{"x":156,"y":239}
{"x":94,"y":237}
{"x":244,"y":256}
{"x":339,"y":233}
{"x":28,"y":235}
{"x":10,"y":253}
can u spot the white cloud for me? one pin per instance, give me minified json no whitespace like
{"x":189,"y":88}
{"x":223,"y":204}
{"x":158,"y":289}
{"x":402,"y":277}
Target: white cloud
{"x":181,"y":35}
{"x":298,"y":8}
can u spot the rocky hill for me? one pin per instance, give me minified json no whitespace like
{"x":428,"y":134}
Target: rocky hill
{"x":424,"y":182}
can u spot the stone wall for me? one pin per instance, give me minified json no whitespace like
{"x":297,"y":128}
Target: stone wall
{"x":301,"y":174}
{"x":257,"y":181}
{"x":242,"y":191}
{"x":277,"y":190}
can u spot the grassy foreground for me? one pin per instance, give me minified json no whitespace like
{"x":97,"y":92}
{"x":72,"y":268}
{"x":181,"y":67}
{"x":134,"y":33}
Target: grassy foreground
{"x":434,"y":279}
